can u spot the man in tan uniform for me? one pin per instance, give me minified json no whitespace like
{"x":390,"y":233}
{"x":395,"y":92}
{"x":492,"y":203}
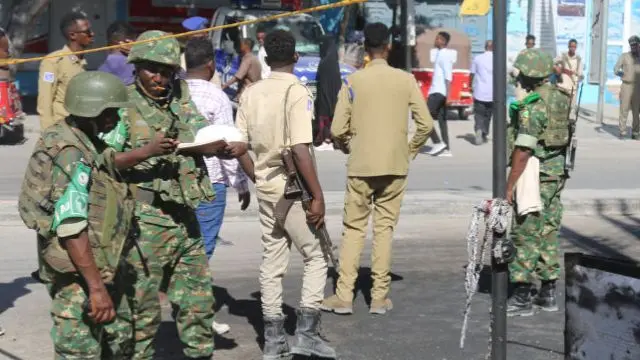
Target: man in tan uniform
{"x":628,"y":69}
{"x":55,"y":73}
{"x":274,"y":114}
{"x":370,"y":123}
{"x":571,"y":70}
{"x":520,"y":93}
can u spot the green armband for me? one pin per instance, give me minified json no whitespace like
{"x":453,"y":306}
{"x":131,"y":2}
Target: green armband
{"x":74,"y":203}
{"x":116,"y":137}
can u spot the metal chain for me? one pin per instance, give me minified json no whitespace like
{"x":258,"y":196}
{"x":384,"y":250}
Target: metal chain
{"x":497,"y":216}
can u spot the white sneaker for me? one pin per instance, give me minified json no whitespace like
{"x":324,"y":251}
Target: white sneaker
{"x":220,"y":329}
{"x":445,"y":153}
{"x":437,"y":148}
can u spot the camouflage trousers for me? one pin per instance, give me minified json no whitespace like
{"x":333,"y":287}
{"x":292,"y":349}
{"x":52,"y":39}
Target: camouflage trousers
{"x":75,"y":336}
{"x":535,"y":236}
{"x":176,"y":257}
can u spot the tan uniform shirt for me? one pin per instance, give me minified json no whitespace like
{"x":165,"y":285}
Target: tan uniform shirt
{"x":372,"y":111}
{"x":573,"y":63}
{"x":55,"y":74}
{"x":261,"y":120}
{"x":626,"y":63}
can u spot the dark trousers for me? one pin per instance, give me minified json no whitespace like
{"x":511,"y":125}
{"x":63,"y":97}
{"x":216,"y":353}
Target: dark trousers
{"x":482,"y":112}
{"x":437,"y":105}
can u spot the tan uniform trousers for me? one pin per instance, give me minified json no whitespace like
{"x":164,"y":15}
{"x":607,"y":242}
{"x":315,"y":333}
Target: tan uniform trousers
{"x":629,"y":100}
{"x":385,"y":193}
{"x":276,"y":250}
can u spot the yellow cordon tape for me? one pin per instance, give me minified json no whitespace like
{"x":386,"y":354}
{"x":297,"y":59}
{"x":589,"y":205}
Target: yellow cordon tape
{"x":188,"y":33}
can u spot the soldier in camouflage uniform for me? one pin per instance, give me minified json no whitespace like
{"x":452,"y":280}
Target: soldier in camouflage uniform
{"x":83,"y":215}
{"x":539,"y":127}
{"x":168,"y":191}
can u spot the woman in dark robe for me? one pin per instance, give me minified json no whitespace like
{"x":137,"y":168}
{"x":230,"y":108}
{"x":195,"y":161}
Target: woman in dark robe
{"x":328,"y":84}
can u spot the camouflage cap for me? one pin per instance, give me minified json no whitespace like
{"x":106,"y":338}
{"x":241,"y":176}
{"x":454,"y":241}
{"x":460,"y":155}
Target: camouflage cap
{"x":164,"y":51}
{"x":634,"y":40}
{"x":91,"y":92}
{"x":534,"y":63}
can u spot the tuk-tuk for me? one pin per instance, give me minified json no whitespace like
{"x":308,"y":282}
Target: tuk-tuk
{"x":11,"y":114}
{"x":460,"y":97}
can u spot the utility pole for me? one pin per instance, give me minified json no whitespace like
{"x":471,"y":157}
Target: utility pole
{"x":499,"y":269}
{"x":604,"y":21}
{"x":410,"y":34}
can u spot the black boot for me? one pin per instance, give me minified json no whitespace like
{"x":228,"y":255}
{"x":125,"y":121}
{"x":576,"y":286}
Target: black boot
{"x":309,"y":342}
{"x":520,"y":302}
{"x":276,"y":346}
{"x":546,"y":299}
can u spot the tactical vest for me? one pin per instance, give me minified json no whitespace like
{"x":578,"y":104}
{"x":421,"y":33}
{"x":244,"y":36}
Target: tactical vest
{"x":556,"y":134}
{"x":110,"y":208}
{"x":180,"y":180}
{"x":556,"y":102}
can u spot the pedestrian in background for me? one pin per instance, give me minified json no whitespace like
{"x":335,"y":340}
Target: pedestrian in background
{"x":216,"y":107}
{"x":374,"y":103}
{"x":482,"y":89}
{"x":262,"y":53}
{"x":571,"y":72}
{"x":56,"y":72}
{"x":249,"y":71}
{"x":120,"y":33}
{"x":438,"y":93}
{"x":192,"y":24}
{"x":328,"y":85}
{"x":627,"y":66}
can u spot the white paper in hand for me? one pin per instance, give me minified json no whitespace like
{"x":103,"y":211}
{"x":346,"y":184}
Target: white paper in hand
{"x":213,"y":133}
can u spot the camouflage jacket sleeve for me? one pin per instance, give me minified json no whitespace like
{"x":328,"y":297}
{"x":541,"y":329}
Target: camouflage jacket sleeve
{"x":129,"y":143}
{"x":63,"y":169}
{"x":193,"y":116}
{"x":532,"y":122}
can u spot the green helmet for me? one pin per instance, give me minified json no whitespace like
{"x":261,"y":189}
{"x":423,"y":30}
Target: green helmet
{"x":165,"y":51}
{"x":534,"y":63}
{"x":91,"y":92}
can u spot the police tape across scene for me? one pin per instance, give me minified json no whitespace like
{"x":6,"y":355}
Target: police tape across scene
{"x":342,"y":3}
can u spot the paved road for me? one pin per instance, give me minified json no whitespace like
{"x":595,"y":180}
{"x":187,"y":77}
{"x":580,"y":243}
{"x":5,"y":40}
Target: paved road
{"x":428,"y":293}
{"x":607,"y":171}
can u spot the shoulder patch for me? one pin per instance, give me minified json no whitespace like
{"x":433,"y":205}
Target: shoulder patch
{"x":309,"y":105}
{"x":48,"y":77}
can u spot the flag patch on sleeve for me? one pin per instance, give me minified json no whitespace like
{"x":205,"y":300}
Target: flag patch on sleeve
{"x":48,"y":77}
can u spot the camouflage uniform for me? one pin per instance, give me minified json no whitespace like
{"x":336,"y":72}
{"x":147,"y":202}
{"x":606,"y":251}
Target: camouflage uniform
{"x":169,"y":189}
{"x":74,"y":335}
{"x":540,"y":123}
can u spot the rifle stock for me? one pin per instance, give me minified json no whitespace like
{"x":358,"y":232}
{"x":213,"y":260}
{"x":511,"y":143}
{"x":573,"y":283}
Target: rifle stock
{"x":296,"y":188}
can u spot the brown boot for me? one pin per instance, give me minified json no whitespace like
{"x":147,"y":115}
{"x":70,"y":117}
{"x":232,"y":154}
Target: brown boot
{"x":334,"y":304}
{"x":380,"y":306}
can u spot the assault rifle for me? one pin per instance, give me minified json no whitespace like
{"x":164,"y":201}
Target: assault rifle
{"x":570,"y":159}
{"x":295,"y":189}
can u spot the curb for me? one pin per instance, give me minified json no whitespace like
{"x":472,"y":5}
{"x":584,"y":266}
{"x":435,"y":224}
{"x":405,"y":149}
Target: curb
{"x":582,"y":202}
